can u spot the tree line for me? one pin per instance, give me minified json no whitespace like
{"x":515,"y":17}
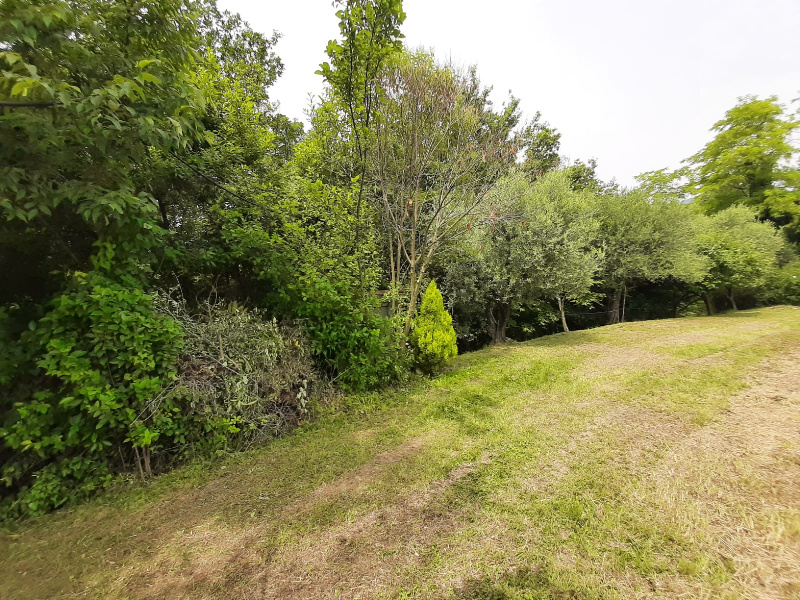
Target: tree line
{"x":186,"y":269}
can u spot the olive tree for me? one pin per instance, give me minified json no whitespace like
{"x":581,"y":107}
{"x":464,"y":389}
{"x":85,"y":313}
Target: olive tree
{"x":539,"y":243}
{"x":743,"y":253}
{"x":645,"y":237}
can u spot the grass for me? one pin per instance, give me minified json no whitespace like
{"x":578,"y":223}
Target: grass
{"x":654,"y":459}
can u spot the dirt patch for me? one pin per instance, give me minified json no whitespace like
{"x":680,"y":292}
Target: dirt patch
{"x":372,"y":470}
{"x":609,"y":361}
{"x":357,"y":558}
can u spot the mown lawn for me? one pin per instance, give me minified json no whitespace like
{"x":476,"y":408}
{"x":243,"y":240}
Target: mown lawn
{"x":657,"y":459}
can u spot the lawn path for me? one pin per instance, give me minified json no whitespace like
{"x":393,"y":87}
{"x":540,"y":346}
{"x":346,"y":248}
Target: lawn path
{"x":656,"y":459}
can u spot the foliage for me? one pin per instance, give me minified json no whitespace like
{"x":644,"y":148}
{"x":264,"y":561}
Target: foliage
{"x":541,"y":144}
{"x":361,"y":349}
{"x":370,"y":32}
{"x":646,"y":238}
{"x":439,"y":150}
{"x":783,"y":286}
{"x":101,"y":355}
{"x":742,"y":163}
{"x":782,"y":202}
{"x":433,"y":337}
{"x":121,"y":383}
{"x":743,"y":253}
{"x":91,"y":85}
{"x":240,"y":379}
{"x":539,"y":243}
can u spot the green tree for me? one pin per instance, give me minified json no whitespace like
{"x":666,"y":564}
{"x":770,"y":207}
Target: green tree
{"x":370,"y":31}
{"x":645,"y":238}
{"x":743,"y":253}
{"x":782,"y":202}
{"x":540,"y":143}
{"x":540,"y":243}
{"x":743,"y":161}
{"x":439,"y":150}
{"x":433,"y":337}
{"x":564,"y":226}
{"x":88,"y":88}
{"x":225,"y":200}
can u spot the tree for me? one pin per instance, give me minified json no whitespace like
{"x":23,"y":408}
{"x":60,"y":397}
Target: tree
{"x":782,"y":202}
{"x":434,"y":338}
{"x":742,"y":252}
{"x":439,"y":150}
{"x":539,"y":245}
{"x":645,"y":238}
{"x":743,"y":161}
{"x":370,"y":32}
{"x":89,"y":88}
{"x":225,"y":200}
{"x":541,"y":144}
{"x":565,"y":224}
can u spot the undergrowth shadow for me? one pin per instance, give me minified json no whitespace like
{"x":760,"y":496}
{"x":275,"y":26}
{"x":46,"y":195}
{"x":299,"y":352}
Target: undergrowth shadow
{"x":538,"y":583}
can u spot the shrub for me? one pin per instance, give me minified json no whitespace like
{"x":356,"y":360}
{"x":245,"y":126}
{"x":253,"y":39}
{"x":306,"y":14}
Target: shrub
{"x":359,"y":348}
{"x":114,"y":380}
{"x":433,"y":337}
{"x":240,"y":378}
{"x":98,"y":358}
{"x":783,"y":285}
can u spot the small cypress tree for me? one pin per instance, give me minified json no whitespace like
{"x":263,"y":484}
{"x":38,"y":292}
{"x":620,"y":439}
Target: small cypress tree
{"x":433,"y":338}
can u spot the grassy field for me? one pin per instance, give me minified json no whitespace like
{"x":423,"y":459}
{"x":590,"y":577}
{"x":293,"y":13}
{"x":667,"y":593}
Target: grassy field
{"x":656,"y":459}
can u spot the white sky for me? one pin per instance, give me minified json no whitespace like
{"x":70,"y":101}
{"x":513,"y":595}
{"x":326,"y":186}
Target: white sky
{"x":635,"y":84}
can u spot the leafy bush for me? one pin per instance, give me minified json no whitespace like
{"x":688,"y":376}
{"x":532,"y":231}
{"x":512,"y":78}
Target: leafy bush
{"x":99,"y":357}
{"x":359,"y":348}
{"x":433,"y":337}
{"x":116,"y":382}
{"x":783,"y":286}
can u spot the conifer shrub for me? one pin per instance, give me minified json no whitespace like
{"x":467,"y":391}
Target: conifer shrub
{"x":433,"y":337}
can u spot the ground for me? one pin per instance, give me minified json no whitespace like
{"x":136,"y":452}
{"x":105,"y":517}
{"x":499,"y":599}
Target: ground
{"x":642,"y":460}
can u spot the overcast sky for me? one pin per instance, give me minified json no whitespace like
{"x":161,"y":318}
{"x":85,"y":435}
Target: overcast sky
{"x":635,"y":84}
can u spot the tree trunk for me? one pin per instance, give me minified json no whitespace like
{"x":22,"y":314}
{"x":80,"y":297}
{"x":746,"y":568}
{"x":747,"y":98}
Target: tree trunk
{"x":730,"y":297}
{"x":613,"y":306}
{"x":709,"y":303}
{"x":162,"y":208}
{"x":499,"y":315}
{"x":561,"y":309}
{"x":138,"y":461}
{"x":412,"y":306}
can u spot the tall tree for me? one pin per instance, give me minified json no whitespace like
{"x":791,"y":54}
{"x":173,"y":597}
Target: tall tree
{"x":743,"y":161}
{"x":439,"y":151}
{"x":743,"y":253}
{"x":541,"y":246}
{"x":541,"y":143}
{"x":224,"y":199}
{"x":370,"y":31}
{"x":564,"y":224}
{"x":645,"y":238}
{"x":88,"y":89}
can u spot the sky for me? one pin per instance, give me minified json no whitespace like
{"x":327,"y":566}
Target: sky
{"x":635,"y":84}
